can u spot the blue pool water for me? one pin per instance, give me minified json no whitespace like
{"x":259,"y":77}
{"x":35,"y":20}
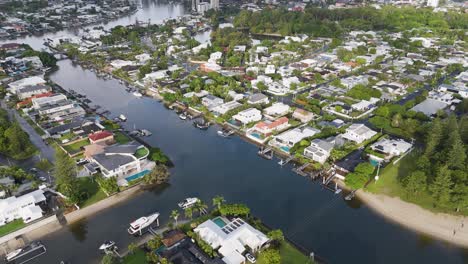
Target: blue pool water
{"x":285,"y":149}
{"x":256,"y":135}
{"x":137,"y":175}
{"x":373,"y":162}
{"x":220,"y":222}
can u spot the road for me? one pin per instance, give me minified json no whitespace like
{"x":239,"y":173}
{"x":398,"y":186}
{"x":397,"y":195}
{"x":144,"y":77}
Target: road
{"x":46,"y":151}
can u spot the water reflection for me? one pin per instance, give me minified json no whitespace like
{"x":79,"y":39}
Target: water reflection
{"x":79,"y":229}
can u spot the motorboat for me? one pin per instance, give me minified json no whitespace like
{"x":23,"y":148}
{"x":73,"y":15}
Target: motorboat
{"x":225,"y":132}
{"x":107,"y":245}
{"x":139,"y":226}
{"x":203,"y":125}
{"x":183,"y":116}
{"x":137,"y":94}
{"x":188,"y":202}
{"x":13,"y":254}
{"x":122,"y":118}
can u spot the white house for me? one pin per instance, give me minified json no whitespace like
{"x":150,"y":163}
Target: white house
{"x":277,"y":109}
{"x":248,"y":116}
{"x":38,"y":103}
{"x":30,"y":81}
{"x":117,"y":64}
{"x":288,"y":139}
{"x":277,"y":88}
{"x":224,"y":108}
{"x":358,"y":133}
{"x":258,"y":98}
{"x":303,"y":115}
{"x":391,"y":147}
{"x":23,"y":207}
{"x":29,"y":91}
{"x":211,"y":101}
{"x":231,"y":239}
{"x":319,"y":150}
{"x":270,"y":69}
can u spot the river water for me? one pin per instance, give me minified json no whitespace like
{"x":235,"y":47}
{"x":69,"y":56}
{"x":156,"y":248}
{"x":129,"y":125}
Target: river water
{"x":207,"y":165}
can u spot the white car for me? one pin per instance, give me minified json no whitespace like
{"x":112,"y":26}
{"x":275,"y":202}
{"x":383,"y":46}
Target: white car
{"x":250,"y":258}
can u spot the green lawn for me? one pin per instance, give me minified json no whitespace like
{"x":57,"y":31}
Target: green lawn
{"x":289,"y":255}
{"x":139,"y":257}
{"x":76,"y":147}
{"x":95,"y":194}
{"x":121,"y":138}
{"x":141,"y":152}
{"x":11,"y":227}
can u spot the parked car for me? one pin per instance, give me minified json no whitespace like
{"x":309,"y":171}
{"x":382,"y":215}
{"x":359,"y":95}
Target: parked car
{"x":43,"y":179}
{"x":250,"y":258}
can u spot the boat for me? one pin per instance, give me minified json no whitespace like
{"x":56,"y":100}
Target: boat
{"x":188,"y":202}
{"x":122,"y":118}
{"x":107,"y":245}
{"x":183,"y":116}
{"x":137,"y":94}
{"x":13,"y":254}
{"x":146,"y":133}
{"x":203,"y":125}
{"x":225,"y":132}
{"x":141,"y":225}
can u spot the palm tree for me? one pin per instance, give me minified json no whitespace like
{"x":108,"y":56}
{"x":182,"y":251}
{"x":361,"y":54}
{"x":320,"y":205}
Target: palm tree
{"x":200,"y":206}
{"x":132,"y":247}
{"x":188,"y":212}
{"x":218,"y":201}
{"x":175,"y":215}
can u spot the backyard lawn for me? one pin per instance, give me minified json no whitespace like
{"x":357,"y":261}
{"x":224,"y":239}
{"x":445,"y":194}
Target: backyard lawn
{"x":289,"y":255}
{"x":92,"y":189}
{"x":141,"y":152}
{"x":139,"y":257}
{"x":11,"y":227}
{"x":121,"y":138}
{"x":76,"y":147}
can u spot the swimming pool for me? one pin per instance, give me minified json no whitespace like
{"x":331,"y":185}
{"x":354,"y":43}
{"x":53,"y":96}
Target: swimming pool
{"x":285,"y":149}
{"x":137,"y":175}
{"x":219,"y":222}
{"x":256,"y":135}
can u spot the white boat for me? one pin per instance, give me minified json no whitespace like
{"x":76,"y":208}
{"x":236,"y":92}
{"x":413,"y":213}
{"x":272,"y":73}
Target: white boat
{"x":188,"y":202}
{"x":13,"y":254}
{"x":183,"y":116}
{"x":122,"y":117}
{"x":107,"y":245}
{"x":137,"y":94}
{"x":139,"y":226}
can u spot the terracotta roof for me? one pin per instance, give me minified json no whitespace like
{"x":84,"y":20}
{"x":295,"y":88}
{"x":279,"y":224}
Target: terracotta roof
{"x":273,"y":124}
{"x":172,"y":238}
{"x":99,"y":135}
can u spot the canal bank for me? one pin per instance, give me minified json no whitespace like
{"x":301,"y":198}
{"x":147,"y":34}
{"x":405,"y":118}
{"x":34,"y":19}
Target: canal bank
{"x":207,"y":165}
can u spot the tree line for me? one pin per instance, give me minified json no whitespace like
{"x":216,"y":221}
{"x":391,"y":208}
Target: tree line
{"x":14,"y":142}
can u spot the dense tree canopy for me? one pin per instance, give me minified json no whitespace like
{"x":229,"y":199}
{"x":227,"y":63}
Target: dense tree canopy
{"x":14,"y":142}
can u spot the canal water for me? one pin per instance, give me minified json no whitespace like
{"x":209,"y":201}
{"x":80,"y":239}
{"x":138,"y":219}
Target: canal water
{"x":207,"y":165}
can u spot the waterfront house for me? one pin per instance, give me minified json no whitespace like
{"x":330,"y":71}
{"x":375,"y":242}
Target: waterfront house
{"x":262,"y":130}
{"x":231,"y":238}
{"x":286,"y":140}
{"x":248,"y":116}
{"x":277,"y":109}
{"x":319,"y":150}
{"x":303,"y":115}
{"x":211,"y":101}
{"x":258,"y":98}
{"x":390,"y":148}
{"x":30,"y":81}
{"x":358,"y":133}
{"x":101,"y":136}
{"x":25,"y":207}
{"x":29,"y":91}
{"x":57,"y":108}
{"x":226,"y":107}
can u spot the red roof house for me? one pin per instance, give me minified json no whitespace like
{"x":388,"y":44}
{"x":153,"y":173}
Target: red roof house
{"x":102,"y":136}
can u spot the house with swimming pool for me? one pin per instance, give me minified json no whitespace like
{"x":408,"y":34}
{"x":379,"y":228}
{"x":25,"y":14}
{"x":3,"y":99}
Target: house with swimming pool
{"x":264,"y":129}
{"x":231,"y":238}
{"x":286,"y":140}
{"x":127,"y":162}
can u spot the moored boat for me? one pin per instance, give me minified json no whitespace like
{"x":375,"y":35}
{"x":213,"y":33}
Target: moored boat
{"x":122,"y":118}
{"x":141,"y":225}
{"x":188,"y":202}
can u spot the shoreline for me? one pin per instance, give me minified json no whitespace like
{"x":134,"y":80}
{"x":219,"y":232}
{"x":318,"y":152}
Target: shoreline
{"x":440,"y":226}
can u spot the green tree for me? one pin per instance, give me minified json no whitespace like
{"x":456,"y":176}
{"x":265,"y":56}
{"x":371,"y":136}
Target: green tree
{"x":276,"y":235}
{"x":441,"y":188}
{"x":155,"y":242}
{"x":175,"y":215}
{"x":110,"y":259}
{"x":218,"y":201}
{"x":434,"y":137}
{"x":132,"y":248}
{"x":457,"y":153}
{"x":416,"y":183}
{"x":188,"y":212}
{"x":160,"y":174}
{"x":65,"y":176}
{"x":270,"y":256}
{"x":360,"y":176}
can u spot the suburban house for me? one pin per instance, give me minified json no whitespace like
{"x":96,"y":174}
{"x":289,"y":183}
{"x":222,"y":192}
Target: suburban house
{"x":390,"y":147}
{"x":121,"y":161}
{"x":57,"y":107}
{"x":258,"y":98}
{"x":231,"y":238}
{"x":29,"y":91}
{"x":248,"y":116}
{"x":265,"y":129}
{"x":101,"y":136}
{"x":358,"y":133}
{"x":224,"y":108}
{"x":288,"y":139}
{"x":25,"y":207}
{"x":303,"y":115}
{"x":211,"y":101}
{"x":319,"y":150}
{"x":277,"y":109}
{"x":30,"y":81}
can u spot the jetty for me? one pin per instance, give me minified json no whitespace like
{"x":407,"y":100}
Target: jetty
{"x":300,"y":170}
{"x":283,"y":162}
{"x":266,"y":153}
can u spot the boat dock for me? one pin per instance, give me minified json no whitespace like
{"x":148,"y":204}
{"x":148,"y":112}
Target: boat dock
{"x":266,"y":153}
{"x":300,"y":170}
{"x":28,"y":253}
{"x":283,"y":162}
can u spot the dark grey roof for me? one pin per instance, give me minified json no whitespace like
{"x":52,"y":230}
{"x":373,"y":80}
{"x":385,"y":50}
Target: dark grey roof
{"x":32,"y":88}
{"x":257,"y":97}
{"x":129,"y":148}
{"x":112,"y":162}
{"x":64,"y":127}
{"x":325,"y":145}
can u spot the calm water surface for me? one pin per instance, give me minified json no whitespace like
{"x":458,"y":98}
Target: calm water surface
{"x":207,"y":165}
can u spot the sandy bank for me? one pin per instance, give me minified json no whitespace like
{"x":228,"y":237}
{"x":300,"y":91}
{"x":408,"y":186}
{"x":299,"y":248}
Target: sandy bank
{"x":449,"y":228}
